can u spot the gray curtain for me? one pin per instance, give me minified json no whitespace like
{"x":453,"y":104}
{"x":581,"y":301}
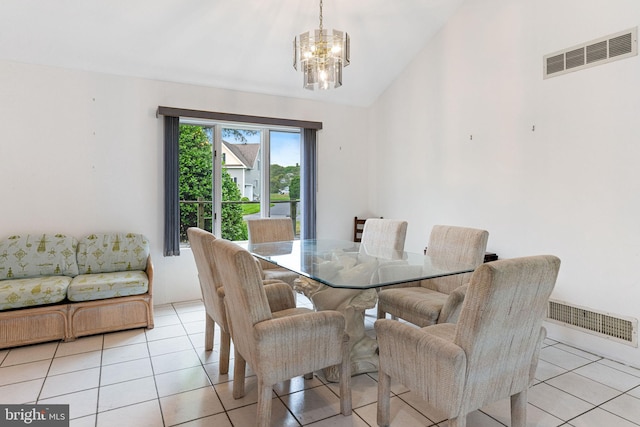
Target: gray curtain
{"x":171,"y":195}
{"x":308,"y":188}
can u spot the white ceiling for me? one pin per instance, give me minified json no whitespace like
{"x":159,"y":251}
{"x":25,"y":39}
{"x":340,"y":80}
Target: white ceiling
{"x":233,"y":44}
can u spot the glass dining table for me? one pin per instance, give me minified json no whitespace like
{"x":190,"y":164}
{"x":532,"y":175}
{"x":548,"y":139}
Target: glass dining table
{"x":345,"y":276}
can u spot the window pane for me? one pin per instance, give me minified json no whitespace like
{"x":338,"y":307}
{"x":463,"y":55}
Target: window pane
{"x":243,"y":191}
{"x":241,"y":180}
{"x":195,"y":182}
{"x":284,"y":176}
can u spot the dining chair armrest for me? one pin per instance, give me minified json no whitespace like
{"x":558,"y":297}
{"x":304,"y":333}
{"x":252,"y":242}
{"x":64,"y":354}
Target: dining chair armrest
{"x":423,"y":360}
{"x":451,"y":309}
{"x":280,"y":295}
{"x":536,"y":355}
{"x":301,"y":329}
{"x":295,"y":345}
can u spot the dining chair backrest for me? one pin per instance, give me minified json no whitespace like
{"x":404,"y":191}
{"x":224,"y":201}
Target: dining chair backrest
{"x":262,"y":230}
{"x":382,"y":232}
{"x":245,"y":297}
{"x":455,"y":244}
{"x":265,"y":230}
{"x":358,"y":225}
{"x":212,"y":294}
{"x":200,"y":242}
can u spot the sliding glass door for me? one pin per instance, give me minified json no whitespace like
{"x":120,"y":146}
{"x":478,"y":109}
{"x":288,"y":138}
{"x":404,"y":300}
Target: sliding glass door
{"x":229,"y":173}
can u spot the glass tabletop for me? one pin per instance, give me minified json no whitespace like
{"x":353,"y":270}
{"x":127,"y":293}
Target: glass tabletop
{"x":345,"y":264}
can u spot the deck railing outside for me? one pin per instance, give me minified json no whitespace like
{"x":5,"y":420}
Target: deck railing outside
{"x":202,"y":219}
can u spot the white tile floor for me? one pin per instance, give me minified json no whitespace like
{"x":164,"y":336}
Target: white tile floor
{"x":163,"y":377}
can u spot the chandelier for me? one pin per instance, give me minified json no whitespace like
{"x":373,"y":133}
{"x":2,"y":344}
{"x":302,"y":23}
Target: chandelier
{"x":320,"y":55}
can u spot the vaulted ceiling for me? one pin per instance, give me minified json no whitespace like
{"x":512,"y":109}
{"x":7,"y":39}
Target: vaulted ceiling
{"x":232,"y":44}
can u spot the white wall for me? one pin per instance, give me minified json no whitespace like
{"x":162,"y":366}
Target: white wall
{"x":569,"y":188}
{"x":81,"y":152}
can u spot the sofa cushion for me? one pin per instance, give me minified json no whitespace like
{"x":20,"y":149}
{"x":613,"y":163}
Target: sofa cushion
{"x":33,"y":255}
{"x":89,"y":287}
{"x":109,"y":252}
{"x":33,"y":291}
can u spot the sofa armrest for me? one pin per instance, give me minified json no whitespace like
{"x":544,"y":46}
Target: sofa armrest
{"x":149,"y":271}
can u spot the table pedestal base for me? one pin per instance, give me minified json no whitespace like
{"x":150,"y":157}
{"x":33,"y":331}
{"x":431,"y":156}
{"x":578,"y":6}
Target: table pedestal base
{"x":352,"y":303}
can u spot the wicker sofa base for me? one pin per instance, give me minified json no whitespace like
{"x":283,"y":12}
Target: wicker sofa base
{"x":70,"y":320}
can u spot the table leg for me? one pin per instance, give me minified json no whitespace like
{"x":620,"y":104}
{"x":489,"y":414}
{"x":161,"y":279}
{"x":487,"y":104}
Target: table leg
{"x":352,"y":303}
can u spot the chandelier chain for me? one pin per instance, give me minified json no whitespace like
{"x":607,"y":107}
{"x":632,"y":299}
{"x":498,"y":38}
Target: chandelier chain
{"x":320,"y":16}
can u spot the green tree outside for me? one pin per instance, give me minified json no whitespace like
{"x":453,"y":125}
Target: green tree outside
{"x":294,"y":188}
{"x":233,"y":226}
{"x":280,"y":177}
{"x":196,"y":165}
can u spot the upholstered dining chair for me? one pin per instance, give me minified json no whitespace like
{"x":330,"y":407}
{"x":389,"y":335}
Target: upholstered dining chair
{"x":213,"y":294}
{"x":491,"y":353}
{"x":381,"y":232}
{"x":421,"y":302}
{"x":264,"y":230}
{"x":280,"y":345}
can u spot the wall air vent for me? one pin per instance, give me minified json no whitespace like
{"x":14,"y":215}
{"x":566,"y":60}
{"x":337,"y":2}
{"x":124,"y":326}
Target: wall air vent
{"x":607,"y":325}
{"x":596,"y":52}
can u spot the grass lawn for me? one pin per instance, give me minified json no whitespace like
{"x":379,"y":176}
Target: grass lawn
{"x":252,"y":208}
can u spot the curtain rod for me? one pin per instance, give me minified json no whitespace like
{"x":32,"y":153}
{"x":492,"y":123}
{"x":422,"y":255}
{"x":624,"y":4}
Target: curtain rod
{"x":228,"y":117}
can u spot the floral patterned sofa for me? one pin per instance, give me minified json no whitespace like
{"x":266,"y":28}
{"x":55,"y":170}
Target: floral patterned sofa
{"x":55,"y":287}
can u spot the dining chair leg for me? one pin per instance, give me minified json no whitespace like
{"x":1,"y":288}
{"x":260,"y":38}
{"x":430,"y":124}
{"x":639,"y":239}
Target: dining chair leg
{"x":460,"y":421}
{"x":345,"y":379}
{"x":383,"y":314}
{"x":519,"y":409}
{"x":239,"y":366}
{"x":265,"y":395}
{"x":384,"y":397}
{"x":209,"y":333}
{"x":225,"y":350}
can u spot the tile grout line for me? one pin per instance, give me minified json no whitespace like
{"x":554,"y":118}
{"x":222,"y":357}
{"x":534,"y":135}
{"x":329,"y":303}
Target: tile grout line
{"x":201,"y":364}
{"x":99,"y":382}
{"x":595,"y":406}
{"x":153,"y":375}
{"x":46,"y":376}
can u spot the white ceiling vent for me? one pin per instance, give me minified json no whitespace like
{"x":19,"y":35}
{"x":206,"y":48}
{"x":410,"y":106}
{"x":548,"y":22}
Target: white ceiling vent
{"x":617,"y":328}
{"x":596,"y":52}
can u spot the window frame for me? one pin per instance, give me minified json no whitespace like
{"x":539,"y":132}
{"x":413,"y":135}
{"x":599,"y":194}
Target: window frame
{"x":308,"y":163}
